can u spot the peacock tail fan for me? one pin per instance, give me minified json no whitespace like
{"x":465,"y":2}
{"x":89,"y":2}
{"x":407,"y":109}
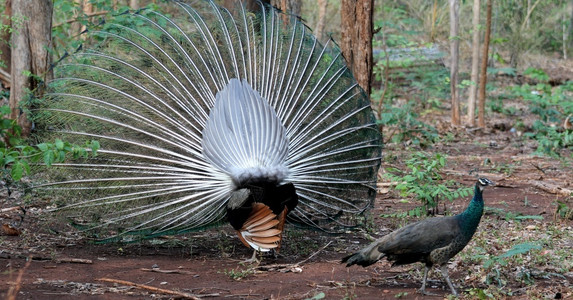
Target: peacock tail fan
{"x":145,"y":91}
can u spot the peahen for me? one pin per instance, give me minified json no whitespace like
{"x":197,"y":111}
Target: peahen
{"x":206,"y":116}
{"x":432,"y":241}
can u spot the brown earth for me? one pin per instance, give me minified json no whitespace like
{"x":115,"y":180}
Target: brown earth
{"x":47,"y":265}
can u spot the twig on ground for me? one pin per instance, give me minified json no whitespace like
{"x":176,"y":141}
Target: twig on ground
{"x":290,"y":267}
{"x":74,"y":260}
{"x":168,"y":271}
{"x":14,"y":289}
{"x":7,"y":209}
{"x":312,"y":255}
{"x":150,"y":288}
{"x":553,"y":189}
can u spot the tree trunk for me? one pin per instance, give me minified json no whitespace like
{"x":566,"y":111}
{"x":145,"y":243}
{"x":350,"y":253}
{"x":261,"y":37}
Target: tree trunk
{"x":571,"y":22}
{"x":319,"y":30}
{"x":292,"y":7}
{"x":4,"y":38}
{"x":475,"y":66}
{"x":134,"y":4}
{"x":31,"y":41}
{"x":356,"y":43}
{"x":454,"y":53}
{"x":434,"y":17}
{"x":565,"y":30}
{"x":483,"y":74}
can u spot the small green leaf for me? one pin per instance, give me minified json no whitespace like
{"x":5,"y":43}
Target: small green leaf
{"x":17,"y":171}
{"x":49,"y":158}
{"x":59,"y":144}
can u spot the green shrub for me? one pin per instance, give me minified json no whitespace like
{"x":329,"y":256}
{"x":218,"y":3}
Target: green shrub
{"x":423,"y":182}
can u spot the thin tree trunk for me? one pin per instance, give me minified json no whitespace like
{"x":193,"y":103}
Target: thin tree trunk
{"x":134,"y":4}
{"x":5,"y":37}
{"x":454,"y":53}
{"x":88,"y":9}
{"x":31,"y":41}
{"x":475,"y":65}
{"x":356,"y":42}
{"x":483,"y":74}
{"x":319,"y":30}
{"x":290,"y":7}
{"x":571,"y":21}
{"x":76,"y":27}
{"x":565,"y":30}
{"x":434,"y":17}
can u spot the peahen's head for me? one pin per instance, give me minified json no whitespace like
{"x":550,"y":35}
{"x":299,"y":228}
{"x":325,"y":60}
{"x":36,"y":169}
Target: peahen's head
{"x":483,"y":182}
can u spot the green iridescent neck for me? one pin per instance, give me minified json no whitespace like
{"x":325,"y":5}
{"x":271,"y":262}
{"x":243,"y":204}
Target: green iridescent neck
{"x":469,"y":219}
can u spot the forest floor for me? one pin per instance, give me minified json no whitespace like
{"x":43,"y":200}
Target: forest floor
{"x":522,"y":208}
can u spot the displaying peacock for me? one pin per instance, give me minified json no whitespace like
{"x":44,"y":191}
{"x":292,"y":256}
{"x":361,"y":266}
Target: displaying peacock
{"x":206,"y":116}
{"x":432,"y":241}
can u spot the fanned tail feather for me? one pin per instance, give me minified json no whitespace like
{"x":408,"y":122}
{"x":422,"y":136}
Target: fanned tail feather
{"x":150,"y":93}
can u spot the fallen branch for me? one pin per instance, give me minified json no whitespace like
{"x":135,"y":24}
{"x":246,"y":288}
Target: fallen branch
{"x":551,"y":188}
{"x":312,"y":255}
{"x":387,"y":184}
{"x":3,"y":210}
{"x":76,"y":19}
{"x":74,"y":260}
{"x":5,"y":78}
{"x":168,"y":271}
{"x":290,"y":267}
{"x":150,"y":288}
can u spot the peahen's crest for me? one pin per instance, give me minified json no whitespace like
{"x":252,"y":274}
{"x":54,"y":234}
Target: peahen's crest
{"x":190,"y":103}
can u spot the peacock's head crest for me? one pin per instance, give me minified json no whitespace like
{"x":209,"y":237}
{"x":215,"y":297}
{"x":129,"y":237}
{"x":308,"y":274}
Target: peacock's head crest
{"x":483,"y":182}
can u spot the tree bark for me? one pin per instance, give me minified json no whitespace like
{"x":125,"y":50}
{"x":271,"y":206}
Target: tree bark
{"x":565,"y":30}
{"x":292,"y":7}
{"x":134,"y":4}
{"x":319,"y":30}
{"x":5,"y":37}
{"x":30,"y":40}
{"x":454,"y":54}
{"x":356,"y":43}
{"x":475,"y":66}
{"x":483,"y":74}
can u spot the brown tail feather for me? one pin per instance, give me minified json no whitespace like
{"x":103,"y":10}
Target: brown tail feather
{"x":263,"y":229}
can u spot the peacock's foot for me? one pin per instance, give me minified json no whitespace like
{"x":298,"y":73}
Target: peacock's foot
{"x":251,"y":261}
{"x":424,"y":292}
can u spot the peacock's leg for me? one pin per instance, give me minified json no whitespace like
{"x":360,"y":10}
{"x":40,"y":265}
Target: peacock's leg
{"x":422,"y":290}
{"x":252,"y":260}
{"x":444,"y":269}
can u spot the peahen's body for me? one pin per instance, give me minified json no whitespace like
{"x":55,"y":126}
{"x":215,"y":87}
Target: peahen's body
{"x":431,"y":241}
{"x":205,"y":116}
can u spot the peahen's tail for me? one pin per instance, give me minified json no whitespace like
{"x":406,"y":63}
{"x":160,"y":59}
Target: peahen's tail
{"x":159,"y":94}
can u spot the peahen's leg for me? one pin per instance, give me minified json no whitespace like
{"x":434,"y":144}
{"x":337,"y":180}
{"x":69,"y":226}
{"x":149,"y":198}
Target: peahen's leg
{"x":422,"y":290}
{"x":444,"y":269}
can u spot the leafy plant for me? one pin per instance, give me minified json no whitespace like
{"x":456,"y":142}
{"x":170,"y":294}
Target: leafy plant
{"x":536,"y":74}
{"x":551,"y":105}
{"x":423,"y":182}
{"x":404,"y":125}
{"x":549,"y":139}
{"x":509,"y":215}
{"x":237,"y":274}
{"x":502,"y":259}
{"x":564,"y":211}
{"x":16,"y":155}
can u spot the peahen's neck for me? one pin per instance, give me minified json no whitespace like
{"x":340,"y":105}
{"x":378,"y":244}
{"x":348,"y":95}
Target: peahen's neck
{"x":470,"y":218}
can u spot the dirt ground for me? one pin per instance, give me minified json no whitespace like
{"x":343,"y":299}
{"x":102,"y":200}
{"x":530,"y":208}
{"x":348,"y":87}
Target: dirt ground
{"x":45,"y":264}
{"x":207,"y":265}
